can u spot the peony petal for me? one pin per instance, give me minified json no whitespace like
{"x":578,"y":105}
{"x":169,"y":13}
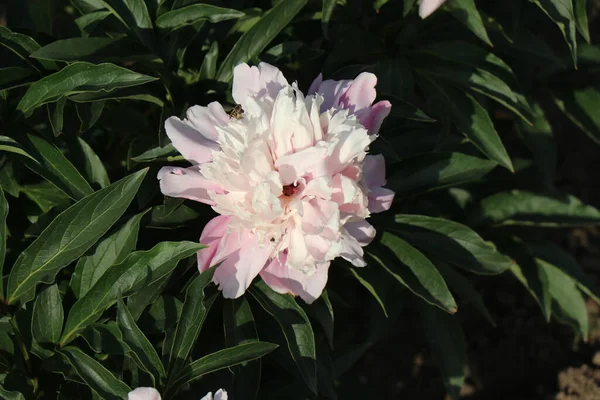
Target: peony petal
{"x":187,"y":183}
{"x":372,"y":117}
{"x":144,"y":393}
{"x":427,"y":7}
{"x":374,"y":171}
{"x":380,"y":199}
{"x":211,"y":236}
{"x":221,"y":395}
{"x":204,"y":119}
{"x":191,"y":143}
{"x":332,"y":91}
{"x":294,"y":166}
{"x":362,"y":231}
{"x":284,"y":279}
{"x":314,"y":86}
{"x":361,"y":93}
{"x":264,"y":81}
{"x":352,"y":250}
{"x":242,"y":258}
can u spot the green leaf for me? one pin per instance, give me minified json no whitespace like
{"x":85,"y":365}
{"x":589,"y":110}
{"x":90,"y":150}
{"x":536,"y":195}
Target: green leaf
{"x":3,"y":234}
{"x":552,"y":254}
{"x":146,"y":355}
{"x":322,"y":311}
{"x":110,"y":251}
{"x":407,"y":7}
{"x":12,"y":77}
{"x":221,"y":359}
{"x":90,"y":49}
{"x":582,"y":19}
{"x":9,"y":145}
{"x":581,"y":107}
{"x":56,"y":115}
{"x":540,"y":141}
{"x":92,"y":165}
{"x":98,"y":378}
{"x":568,"y":305}
{"x":563,"y":15}
{"x":53,"y":166}
{"x":190,"y":323}
{"x":447,"y":343}
{"x":240,"y":328}
{"x":465,"y":290}
{"x":191,"y":14}
{"x":472,"y":119}
{"x":88,"y":22}
{"x":327,"y":12}
{"x":135,"y":16}
{"x":23,"y":46}
{"x":131,"y":93}
{"x":295,"y":325}
{"x":471,"y":67}
{"x":530,"y":209}
{"x":368,"y":278}
{"x":157,"y":154}
{"x":412,"y":269}
{"x":69,"y":236}
{"x":208,"y":69}
{"x":452,"y":242}
{"x":431,"y":171}
{"x":45,"y":195}
{"x":139,"y":269}
{"x":259,"y":36}
{"x":466,"y":12}
{"x":79,"y":77}
{"x":48,"y":316}
{"x":11,"y":394}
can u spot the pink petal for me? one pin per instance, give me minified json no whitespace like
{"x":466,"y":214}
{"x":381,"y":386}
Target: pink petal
{"x":284,"y":279}
{"x":362,"y":231}
{"x":191,"y":143}
{"x":219,"y":395}
{"x":251,"y":81}
{"x":427,"y":7}
{"x":331,"y":90}
{"x":144,"y":393}
{"x":204,"y":119}
{"x":187,"y":183}
{"x":372,"y":117}
{"x":361,"y":93}
{"x":242,"y":258}
{"x":211,"y":236}
{"x":297,"y":165}
{"x":380,"y":199}
{"x":374,"y":170}
{"x":352,"y":251}
{"x":314,"y":86}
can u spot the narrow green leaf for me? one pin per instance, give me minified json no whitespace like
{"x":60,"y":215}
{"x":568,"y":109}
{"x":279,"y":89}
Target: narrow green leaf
{"x":139,"y":269}
{"x":563,"y":15}
{"x":88,"y":22}
{"x":240,"y":328}
{"x":45,"y":195}
{"x":147,"y":357}
{"x":408,"y":5}
{"x":79,"y":77}
{"x":581,"y":107}
{"x":295,"y":325}
{"x":56,"y":116}
{"x":412,"y":269}
{"x":135,"y":16}
{"x":465,"y":290}
{"x":130,"y":93}
{"x":69,"y":236}
{"x":365,"y":276}
{"x":530,"y":209}
{"x":91,"y":49}
{"x":582,"y":19}
{"x":11,"y":394}
{"x":452,"y":242}
{"x":466,"y":12}
{"x":327,"y":12}
{"x":53,"y":166}
{"x":447,"y":343}
{"x":195,"y":13}
{"x":259,"y":36}
{"x":110,"y":251}
{"x":540,"y":141}
{"x":322,"y":311}
{"x":190,"y":323}
{"x":3,"y":234}
{"x":98,"y":378}
{"x":568,"y":305}
{"x":10,"y":145}
{"x":88,"y":114}
{"x":157,"y":154}
{"x":48,"y":316}
{"x":431,"y":171}
{"x":23,"y":46}
{"x":92,"y":165}
{"x":552,"y":254}
{"x":221,"y":359}
{"x":208,"y":69}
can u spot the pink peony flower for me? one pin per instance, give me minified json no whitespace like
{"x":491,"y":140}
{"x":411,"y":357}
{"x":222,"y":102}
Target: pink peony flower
{"x":291,"y":179}
{"x":427,"y":7}
{"x":148,"y":393}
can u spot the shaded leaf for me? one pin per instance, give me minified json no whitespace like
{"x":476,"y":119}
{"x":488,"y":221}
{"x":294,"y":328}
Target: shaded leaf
{"x":191,"y":14}
{"x":3,"y":235}
{"x":563,"y":15}
{"x":48,"y":316}
{"x":12,"y":77}
{"x":93,"y":167}
{"x":135,"y":16}
{"x":23,"y":46}
{"x":466,"y":12}
{"x":90,"y":49}
{"x":581,"y":107}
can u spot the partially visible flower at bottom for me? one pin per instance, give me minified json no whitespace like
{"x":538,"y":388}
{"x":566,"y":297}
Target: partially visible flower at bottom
{"x":427,"y":7}
{"x":290,"y":177}
{"x":148,"y":393}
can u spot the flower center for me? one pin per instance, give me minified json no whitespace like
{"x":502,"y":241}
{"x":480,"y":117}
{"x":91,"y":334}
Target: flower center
{"x":290,"y":190}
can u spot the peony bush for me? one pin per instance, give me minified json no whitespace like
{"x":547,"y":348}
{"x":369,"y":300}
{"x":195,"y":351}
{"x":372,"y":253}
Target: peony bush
{"x":238,"y":199}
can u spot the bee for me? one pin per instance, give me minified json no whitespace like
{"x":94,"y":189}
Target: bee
{"x":237,"y":112}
